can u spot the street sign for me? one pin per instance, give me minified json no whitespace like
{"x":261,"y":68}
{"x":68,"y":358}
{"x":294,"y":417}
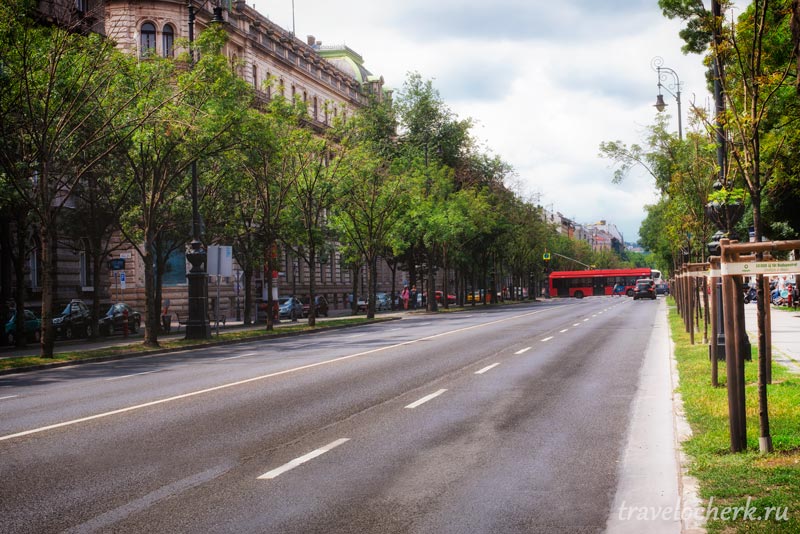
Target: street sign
{"x":122,"y":280}
{"x":546,"y":256}
{"x":116,"y":264}
{"x":761,"y":267}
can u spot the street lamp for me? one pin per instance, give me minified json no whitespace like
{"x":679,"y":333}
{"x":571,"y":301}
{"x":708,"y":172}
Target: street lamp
{"x":657,"y":64}
{"x":197,"y":326}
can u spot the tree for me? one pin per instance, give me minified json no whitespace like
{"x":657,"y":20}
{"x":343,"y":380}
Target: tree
{"x":316,"y":163}
{"x":63,"y":100}
{"x":370,"y":195}
{"x":190,"y":117}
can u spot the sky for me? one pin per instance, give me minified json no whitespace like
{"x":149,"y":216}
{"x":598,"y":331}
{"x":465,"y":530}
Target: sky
{"x":545,"y":82}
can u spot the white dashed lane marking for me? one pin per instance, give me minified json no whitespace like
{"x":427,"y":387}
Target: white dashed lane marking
{"x":302,"y":459}
{"x":487,"y":368}
{"x":425,"y":399}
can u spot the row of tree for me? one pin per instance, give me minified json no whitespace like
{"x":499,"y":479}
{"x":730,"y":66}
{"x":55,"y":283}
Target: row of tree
{"x":95,"y":143}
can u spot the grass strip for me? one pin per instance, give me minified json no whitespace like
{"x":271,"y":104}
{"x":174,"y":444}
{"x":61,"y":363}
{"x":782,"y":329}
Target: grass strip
{"x":740,"y":490}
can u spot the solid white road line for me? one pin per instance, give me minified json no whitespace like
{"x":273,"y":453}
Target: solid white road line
{"x":9,"y":397}
{"x":548,"y":338}
{"x":301,"y":460}
{"x":246,"y":354}
{"x":521,"y":351}
{"x":425,"y":399}
{"x":130,"y":376}
{"x":261,"y":377}
{"x":487,"y":368}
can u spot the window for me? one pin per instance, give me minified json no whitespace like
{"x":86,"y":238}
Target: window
{"x":148,"y":39}
{"x":175,"y":269}
{"x":84,"y":266}
{"x":81,"y":6}
{"x":168,"y":41}
{"x":255,"y":77}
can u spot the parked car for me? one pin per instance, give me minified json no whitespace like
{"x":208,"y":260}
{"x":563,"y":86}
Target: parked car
{"x":32,"y":326}
{"x":662,"y":288}
{"x":451,"y":299}
{"x":382,"y":301}
{"x":361,"y":305}
{"x":645,"y":289}
{"x":75,"y":320}
{"x":320,"y":303}
{"x":114,"y":319}
{"x":290,"y":308}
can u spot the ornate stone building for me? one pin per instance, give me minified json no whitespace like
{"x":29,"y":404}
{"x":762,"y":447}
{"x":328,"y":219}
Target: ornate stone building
{"x":331,"y":80}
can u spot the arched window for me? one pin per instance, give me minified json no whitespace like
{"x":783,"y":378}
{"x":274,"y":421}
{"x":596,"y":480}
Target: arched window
{"x":168,"y":41}
{"x":148,"y":39}
{"x":316,"y":108}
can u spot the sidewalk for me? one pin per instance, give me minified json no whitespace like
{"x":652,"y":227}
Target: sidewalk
{"x":654,"y":492}
{"x":785,"y":334}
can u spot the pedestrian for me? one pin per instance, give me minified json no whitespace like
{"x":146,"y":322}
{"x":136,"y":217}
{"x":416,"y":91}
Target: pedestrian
{"x":413,"y":297}
{"x":405,"y":296}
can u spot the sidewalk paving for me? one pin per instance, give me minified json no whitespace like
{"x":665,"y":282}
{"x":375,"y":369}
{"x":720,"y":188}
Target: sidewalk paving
{"x":785,"y":334}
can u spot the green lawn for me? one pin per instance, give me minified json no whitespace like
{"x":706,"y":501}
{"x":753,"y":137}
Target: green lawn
{"x":740,"y":479}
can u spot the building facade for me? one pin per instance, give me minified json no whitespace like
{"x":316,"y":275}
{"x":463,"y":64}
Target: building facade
{"x":331,"y":80}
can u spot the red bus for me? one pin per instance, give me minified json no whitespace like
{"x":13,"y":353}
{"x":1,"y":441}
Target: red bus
{"x":581,"y":284}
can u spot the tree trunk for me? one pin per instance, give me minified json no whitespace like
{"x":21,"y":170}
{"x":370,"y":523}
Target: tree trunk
{"x":47,"y":235}
{"x":312,"y":282}
{"x":247,"y":275}
{"x":431,"y":299}
{"x":151,"y":329}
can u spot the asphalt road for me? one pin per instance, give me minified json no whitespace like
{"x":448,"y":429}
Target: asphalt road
{"x":502,"y":420}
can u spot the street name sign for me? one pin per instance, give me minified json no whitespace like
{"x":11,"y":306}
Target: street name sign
{"x":760,"y":267}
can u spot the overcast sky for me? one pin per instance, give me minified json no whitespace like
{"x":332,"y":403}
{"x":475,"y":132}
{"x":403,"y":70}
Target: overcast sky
{"x":546,"y":81}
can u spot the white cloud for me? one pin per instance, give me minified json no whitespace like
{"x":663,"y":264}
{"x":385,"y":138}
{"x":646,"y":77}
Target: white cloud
{"x":546,"y":82}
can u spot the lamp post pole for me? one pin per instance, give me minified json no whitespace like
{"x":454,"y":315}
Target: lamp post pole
{"x":657,"y":64}
{"x":197,"y":325}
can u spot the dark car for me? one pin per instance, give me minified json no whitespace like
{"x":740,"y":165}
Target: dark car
{"x":75,"y":320}
{"x":290,"y":308}
{"x":662,"y":288}
{"x":32,"y":327}
{"x":114,"y":319}
{"x":644,"y":290}
{"x":320,"y":303}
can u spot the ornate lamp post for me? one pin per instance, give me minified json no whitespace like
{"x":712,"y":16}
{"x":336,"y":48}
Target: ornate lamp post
{"x":197,"y":326}
{"x":657,"y":65}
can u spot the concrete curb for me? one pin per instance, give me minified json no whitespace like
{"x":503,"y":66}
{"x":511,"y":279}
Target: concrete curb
{"x":688,"y":486}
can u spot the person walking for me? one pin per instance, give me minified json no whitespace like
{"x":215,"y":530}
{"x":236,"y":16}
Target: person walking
{"x":413,"y":297}
{"x":405,"y":295}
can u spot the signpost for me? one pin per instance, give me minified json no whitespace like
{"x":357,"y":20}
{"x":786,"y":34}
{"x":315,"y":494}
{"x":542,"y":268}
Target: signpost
{"x":220,"y":263}
{"x":116,"y":265}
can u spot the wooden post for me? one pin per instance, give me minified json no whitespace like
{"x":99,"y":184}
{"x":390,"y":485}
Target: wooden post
{"x":716,"y":299}
{"x":735,"y":378}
